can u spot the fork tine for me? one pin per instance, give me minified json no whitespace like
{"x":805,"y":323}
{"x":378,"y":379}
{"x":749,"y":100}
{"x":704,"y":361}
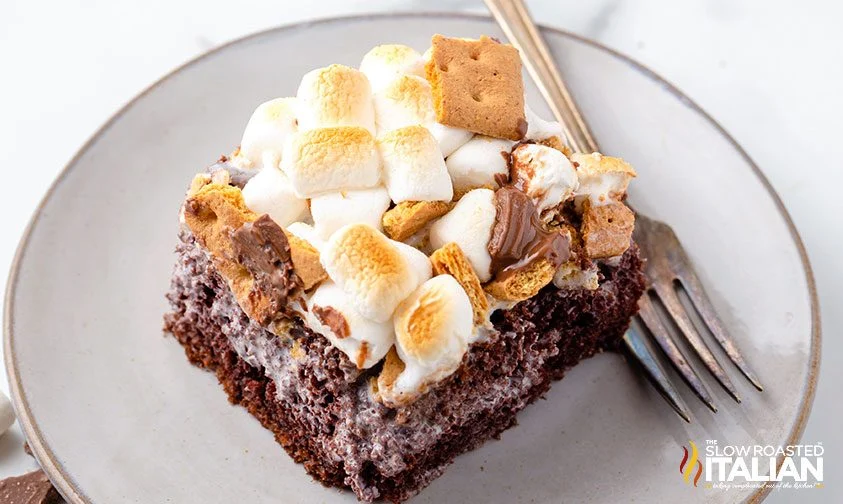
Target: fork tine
{"x":692,"y":286}
{"x":667,"y":295}
{"x":651,"y":320}
{"x":639,"y":351}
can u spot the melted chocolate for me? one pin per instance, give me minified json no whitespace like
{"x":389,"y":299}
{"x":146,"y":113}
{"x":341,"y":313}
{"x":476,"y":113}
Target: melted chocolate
{"x":519,"y":237}
{"x":262,"y":248}
{"x":522,"y":128}
{"x":333,"y":319}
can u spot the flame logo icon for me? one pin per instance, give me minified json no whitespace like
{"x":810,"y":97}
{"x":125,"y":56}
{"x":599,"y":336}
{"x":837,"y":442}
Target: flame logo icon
{"x":686,"y":467}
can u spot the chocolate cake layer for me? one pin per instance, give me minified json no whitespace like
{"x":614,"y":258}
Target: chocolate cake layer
{"x":320,"y":406}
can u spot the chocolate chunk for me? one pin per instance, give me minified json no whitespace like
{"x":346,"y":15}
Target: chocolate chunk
{"x":333,"y":319}
{"x":31,"y":488}
{"x":262,"y":248}
{"x":522,"y":127}
{"x":518,"y":235}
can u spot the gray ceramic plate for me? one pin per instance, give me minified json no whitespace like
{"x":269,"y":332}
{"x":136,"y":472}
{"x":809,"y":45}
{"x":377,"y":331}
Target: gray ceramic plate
{"x":116,"y":414}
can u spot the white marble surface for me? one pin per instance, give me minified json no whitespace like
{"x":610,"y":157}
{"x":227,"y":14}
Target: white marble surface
{"x":769,"y":72}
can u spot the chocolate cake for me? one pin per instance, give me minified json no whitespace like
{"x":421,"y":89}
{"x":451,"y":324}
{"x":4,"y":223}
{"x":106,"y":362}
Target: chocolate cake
{"x":384,"y":281}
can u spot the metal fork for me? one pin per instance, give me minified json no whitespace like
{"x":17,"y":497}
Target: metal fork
{"x":668,"y":269}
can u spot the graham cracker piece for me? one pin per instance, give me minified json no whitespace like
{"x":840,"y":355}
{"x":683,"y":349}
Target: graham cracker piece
{"x":200,"y":180}
{"x":409,"y":217}
{"x":522,"y":283}
{"x":392,"y":367}
{"x":305,"y":261}
{"x":571,"y":275}
{"x":606,"y":229}
{"x":477,"y":85}
{"x":450,"y":260}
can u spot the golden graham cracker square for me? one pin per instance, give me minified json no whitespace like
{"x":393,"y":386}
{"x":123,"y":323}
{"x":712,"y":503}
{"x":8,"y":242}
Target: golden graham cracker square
{"x":409,"y":217}
{"x":523,"y":283}
{"x":606,"y":229}
{"x":450,"y":260}
{"x":477,"y":85}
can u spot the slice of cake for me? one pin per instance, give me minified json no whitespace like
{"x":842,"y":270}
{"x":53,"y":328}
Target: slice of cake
{"x":400,"y":258}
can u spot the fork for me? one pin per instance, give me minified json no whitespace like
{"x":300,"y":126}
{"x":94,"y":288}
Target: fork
{"x":667,"y":269}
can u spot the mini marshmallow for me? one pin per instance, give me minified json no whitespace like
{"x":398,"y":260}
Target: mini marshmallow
{"x":270,"y":192}
{"x":539,"y":129}
{"x":449,"y":137}
{"x":433,"y":328}
{"x":602,"y":178}
{"x":476,"y":163}
{"x":418,"y":260}
{"x":268,"y":128}
{"x":332,"y":211}
{"x":386,"y":62}
{"x":332,"y":314}
{"x":370,"y":269}
{"x":469,"y":225}
{"x":331,"y":159}
{"x":544,"y":174}
{"x":307,"y":233}
{"x":405,"y":101}
{"x":413,"y":166}
{"x":7,"y":413}
{"x":335,"y":96}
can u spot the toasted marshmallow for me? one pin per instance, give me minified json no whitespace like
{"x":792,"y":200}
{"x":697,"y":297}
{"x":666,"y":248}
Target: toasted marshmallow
{"x":418,"y":260}
{"x":332,"y":211}
{"x":332,"y":314}
{"x":449,"y":137}
{"x":433,"y":328}
{"x":476,"y":163}
{"x":307,"y":233}
{"x":413,"y":168}
{"x":270,"y":192}
{"x":335,"y":96}
{"x":544,"y":174}
{"x":331,"y":159}
{"x":469,"y":225}
{"x":386,"y":62}
{"x":602,"y":178}
{"x":268,"y":128}
{"x":370,"y":269}
{"x":405,"y":101}
{"x":539,"y":129}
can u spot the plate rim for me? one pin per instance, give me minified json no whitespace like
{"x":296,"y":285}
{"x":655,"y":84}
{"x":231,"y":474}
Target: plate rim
{"x":44,"y":454}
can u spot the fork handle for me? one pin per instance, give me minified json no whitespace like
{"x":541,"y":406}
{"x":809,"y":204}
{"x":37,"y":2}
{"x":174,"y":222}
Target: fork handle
{"x":513,"y":17}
